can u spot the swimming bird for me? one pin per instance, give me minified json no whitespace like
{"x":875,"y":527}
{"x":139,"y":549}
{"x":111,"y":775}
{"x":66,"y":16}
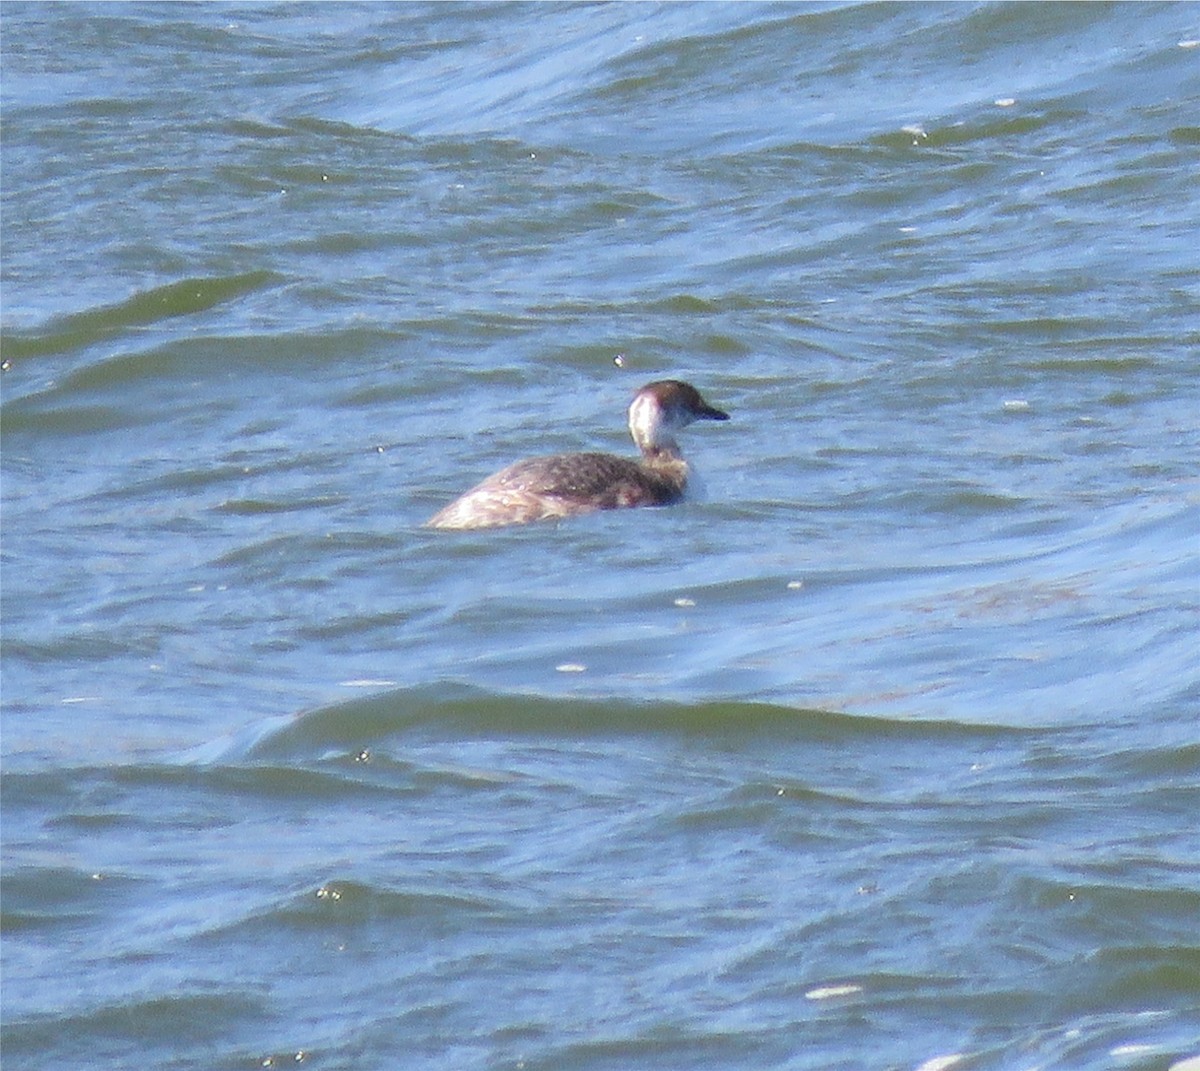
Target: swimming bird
{"x":564,"y":485}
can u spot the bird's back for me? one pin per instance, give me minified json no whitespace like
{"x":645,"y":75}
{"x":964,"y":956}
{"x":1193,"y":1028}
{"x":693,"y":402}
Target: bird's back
{"x":563,"y":485}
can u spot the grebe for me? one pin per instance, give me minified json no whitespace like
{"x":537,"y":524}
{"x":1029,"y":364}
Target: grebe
{"x":563,"y":485}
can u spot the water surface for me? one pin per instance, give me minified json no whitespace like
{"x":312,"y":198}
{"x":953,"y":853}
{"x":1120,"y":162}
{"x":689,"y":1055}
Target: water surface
{"x":881,"y":752}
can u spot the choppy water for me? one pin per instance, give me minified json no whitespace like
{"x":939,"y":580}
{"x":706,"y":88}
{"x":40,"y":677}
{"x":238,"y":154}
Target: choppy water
{"x":884,"y":753}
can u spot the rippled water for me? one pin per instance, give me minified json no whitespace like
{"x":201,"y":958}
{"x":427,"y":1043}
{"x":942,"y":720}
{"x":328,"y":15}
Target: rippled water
{"x":882,"y":752}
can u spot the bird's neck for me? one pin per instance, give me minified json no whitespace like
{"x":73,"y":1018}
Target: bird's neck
{"x":663,"y":452}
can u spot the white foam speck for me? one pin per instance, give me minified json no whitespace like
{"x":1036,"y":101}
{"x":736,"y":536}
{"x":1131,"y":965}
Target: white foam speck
{"x":1005,"y":102}
{"x":368,"y":682}
{"x":826,"y":992}
{"x":571,"y":667}
{"x":940,"y":1063}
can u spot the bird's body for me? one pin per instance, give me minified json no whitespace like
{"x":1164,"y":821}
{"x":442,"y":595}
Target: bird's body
{"x":563,"y":485}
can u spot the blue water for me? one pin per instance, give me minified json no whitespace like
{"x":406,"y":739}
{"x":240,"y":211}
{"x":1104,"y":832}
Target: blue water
{"x":882,"y":751}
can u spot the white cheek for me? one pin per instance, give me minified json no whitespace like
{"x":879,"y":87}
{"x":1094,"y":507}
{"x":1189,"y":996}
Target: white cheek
{"x":642,"y":420}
